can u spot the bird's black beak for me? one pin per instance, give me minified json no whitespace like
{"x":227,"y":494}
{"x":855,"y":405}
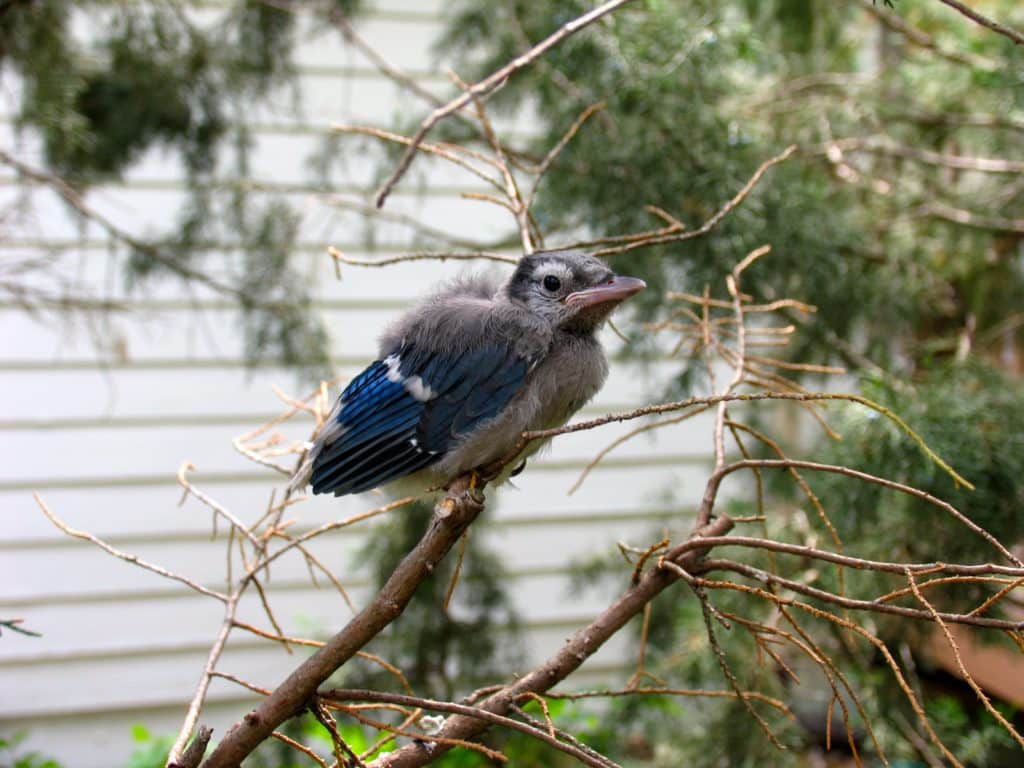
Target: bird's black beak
{"x":616,"y":289}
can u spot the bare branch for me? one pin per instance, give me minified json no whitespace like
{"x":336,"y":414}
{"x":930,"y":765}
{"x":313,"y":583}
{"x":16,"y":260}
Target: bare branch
{"x":479,"y":713}
{"x":711,"y":223}
{"x":678,"y":405}
{"x":489,"y":83}
{"x":984,"y":21}
{"x":937,"y":210}
{"x":771,"y":579}
{"x":72,"y":197}
{"x":128,"y":558}
{"x":341,"y":258}
{"x":986,"y":702}
{"x":922,"y":39}
{"x":583,"y":644}
{"x":194,"y":754}
{"x":452,"y":517}
{"x":880,"y":146}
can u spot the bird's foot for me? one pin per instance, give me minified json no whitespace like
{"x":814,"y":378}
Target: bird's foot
{"x":475,"y":487}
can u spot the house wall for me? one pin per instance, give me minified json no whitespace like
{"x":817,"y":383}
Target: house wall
{"x":97,"y":417}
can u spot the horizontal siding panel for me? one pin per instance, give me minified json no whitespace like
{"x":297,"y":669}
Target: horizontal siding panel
{"x":281,"y":155}
{"x":142,"y":209}
{"x":179,"y":334}
{"x":143,"y":687}
{"x":26,"y":576}
{"x":199,"y":336}
{"x":403,"y":38}
{"x":45,"y":455}
{"x":98,"y":273}
{"x":128,"y":513}
{"x":189,"y":625}
{"x":142,"y":625}
{"x":405,"y":42}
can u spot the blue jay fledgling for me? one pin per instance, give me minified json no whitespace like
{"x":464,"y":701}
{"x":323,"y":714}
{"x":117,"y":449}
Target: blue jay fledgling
{"x":464,"y":374}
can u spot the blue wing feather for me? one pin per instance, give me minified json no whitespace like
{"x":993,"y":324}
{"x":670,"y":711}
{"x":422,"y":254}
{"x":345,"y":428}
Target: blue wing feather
{"x":386,"y":432}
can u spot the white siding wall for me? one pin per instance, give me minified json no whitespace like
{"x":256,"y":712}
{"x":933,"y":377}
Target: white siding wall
{"x":101,"y":437}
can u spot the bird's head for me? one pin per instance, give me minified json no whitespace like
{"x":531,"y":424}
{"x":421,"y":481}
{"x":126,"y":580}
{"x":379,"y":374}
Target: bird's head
{"x":569,"y":289}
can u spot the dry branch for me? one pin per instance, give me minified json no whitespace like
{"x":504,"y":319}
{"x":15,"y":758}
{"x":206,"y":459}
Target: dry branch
{"x":583,"y":644}
{"x":73,"y":198}
{"x":879,"y":146}
{"x":452,"y":516}
{"x":922,"y":39}
{"x":488,"y":84}
{"x":985,"y":21}
{"x":477,"y":713}
{"x":715,"y":219}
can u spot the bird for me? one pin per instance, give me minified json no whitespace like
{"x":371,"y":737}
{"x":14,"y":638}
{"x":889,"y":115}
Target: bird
{"x":464,"y":373}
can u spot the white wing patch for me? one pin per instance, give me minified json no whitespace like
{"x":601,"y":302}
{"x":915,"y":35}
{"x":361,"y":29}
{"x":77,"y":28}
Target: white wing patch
{"x":414,"y":385}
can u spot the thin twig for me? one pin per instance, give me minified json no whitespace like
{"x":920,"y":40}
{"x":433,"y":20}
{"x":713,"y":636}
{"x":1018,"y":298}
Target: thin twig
{"x":349,"y":694}
{"x":715,"y":219}
{"x":984,"y":21}
{"x":964,"y":674}
{"x":128,"y":558}
{"x":488,"y":84}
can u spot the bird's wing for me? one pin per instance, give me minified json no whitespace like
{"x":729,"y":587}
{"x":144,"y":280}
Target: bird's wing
{"x":403,"y":412}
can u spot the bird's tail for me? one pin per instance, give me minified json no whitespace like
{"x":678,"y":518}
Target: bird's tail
{"x":304,"y":471}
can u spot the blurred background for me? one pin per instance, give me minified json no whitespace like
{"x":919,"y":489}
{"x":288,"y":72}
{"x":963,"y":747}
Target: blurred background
{"x":170,"y":180}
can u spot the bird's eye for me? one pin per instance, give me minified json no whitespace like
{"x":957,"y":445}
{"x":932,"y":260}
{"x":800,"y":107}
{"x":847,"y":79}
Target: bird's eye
{"x":552,"y":283}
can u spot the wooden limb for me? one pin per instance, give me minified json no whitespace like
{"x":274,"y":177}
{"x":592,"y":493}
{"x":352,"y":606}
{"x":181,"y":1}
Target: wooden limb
{"x":194,"y":754}
{"x":581,"y":646}
{"x":488,"y":84}
{"x":478,"y":713}
{"x":452,"y":516}
{"x":984,"y":21}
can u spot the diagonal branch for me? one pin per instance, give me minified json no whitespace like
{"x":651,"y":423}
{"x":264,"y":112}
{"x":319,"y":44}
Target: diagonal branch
{"x":72,"y":197}
{"x":985,"y":21}
{"x":581,"y":646}
{"x":452,"y":516}
{"x":490,"y":83}
{"x":922,"y":39}
{"x":478,"y":713}
{"x":712,"y":222}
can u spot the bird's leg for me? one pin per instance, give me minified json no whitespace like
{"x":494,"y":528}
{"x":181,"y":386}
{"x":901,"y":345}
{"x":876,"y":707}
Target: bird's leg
{"x":519,"y":470}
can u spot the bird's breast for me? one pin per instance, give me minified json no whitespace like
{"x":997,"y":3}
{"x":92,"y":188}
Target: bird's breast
{"x":565,"y":380}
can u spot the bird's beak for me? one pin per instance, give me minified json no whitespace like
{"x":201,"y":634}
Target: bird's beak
{"x":615,"y":290}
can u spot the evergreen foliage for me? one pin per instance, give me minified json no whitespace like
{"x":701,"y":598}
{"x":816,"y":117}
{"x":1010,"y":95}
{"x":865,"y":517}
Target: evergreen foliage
{"x":700,"y":93}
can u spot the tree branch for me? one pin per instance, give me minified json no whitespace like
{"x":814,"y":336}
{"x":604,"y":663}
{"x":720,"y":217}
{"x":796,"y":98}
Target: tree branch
{"x":452,"y":516}
{"x":878,"y":146}
{"x":478,"y":713}
{"x":984,"y":21}
{"x":581,"y":646}
{"x":72,"y":197}
{"x":922,"y":39}
{"x":490,"y":83}
{"x":715,"y":219}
